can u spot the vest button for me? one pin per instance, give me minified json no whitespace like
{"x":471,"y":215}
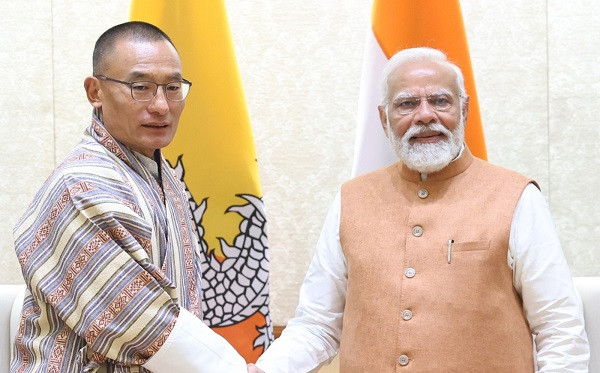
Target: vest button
{"x":403,"y":360}
{"x":417,"y":231}
{"x":423,"y":193}
{"x":410,"y":272}
{"x":407,"y":315}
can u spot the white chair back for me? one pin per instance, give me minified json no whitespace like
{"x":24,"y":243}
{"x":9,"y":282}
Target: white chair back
{"x":11,"y":301}
{"x":589,"y":289}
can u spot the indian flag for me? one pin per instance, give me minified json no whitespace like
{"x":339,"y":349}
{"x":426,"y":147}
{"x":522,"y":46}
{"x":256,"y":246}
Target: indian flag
{"x":214,"y":154}
{"x":400,"y":24}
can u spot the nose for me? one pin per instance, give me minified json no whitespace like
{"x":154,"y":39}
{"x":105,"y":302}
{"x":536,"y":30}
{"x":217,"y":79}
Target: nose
{"x":424,"y":113}
{"x":159,"y":103}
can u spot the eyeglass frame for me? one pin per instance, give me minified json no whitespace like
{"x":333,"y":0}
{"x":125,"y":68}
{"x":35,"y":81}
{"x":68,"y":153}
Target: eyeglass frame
{"x":427,"y":98}
{"x":164,"y":85}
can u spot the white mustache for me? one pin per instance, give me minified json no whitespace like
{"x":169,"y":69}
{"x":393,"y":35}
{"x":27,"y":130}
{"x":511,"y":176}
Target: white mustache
{"x":420,"y":129}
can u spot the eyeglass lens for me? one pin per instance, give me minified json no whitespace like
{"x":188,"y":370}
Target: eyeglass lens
{"x":145,"y":91}
{"x":408,"y":105}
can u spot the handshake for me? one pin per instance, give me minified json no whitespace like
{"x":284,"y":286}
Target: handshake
{"x":254,"y":369}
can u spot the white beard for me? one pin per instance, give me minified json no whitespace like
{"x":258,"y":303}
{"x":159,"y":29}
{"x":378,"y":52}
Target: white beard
{"x":429,"y":157}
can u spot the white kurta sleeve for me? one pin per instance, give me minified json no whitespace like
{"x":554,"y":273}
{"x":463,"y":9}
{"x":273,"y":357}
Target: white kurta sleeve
{"x":543,"y":280}
{"x":311,"y":339}
{"x":194,"y":347}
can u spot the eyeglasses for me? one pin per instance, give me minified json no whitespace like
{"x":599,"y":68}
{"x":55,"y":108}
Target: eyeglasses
{"x":438,"y":102}
{"x":145,"y":91}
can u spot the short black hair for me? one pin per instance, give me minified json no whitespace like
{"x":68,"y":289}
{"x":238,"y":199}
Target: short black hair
{"x":134,"y":30}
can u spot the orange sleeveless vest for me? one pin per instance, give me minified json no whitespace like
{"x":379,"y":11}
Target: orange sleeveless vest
{"x":410,"y":306}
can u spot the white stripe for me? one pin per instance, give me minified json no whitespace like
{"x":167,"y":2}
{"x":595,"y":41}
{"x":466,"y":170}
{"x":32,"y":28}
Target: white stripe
{"x":69,"y":231}
{"x":111,"y":207}
{"x":93,"y":287}
{"x":143,"y":203}
{"x":30,"y":220}
{"x":102,"y":171}
{"x":137,"y":324}
{"x":176,"y":248}
{"x":371,"y":148}
{"x":44,"y":329}
{"x":54,"y":260}
{"x":51,"y":187}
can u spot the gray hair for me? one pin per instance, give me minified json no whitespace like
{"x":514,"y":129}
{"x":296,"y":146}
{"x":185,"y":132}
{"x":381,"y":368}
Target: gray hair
{"x":420,"y":54}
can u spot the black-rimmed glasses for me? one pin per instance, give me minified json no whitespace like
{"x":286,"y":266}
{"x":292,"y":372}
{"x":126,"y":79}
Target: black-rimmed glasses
{"x":145,"y":91}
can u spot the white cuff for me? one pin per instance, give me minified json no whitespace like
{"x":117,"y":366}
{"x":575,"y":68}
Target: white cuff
{"x":194,"y":347}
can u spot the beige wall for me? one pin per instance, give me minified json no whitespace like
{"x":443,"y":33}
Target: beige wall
{"x":534,"y":64}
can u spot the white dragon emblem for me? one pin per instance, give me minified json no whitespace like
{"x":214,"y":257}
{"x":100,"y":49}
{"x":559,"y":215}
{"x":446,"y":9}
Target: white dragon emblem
{"x":237,"y":287}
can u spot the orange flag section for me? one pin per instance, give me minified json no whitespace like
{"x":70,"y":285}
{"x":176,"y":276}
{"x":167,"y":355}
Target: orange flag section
{"x":400,"y":24}
{"x":215,"y":144}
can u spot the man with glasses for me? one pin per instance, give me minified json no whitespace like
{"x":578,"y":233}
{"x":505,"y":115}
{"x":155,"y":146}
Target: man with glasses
{"x":108,"y":247}
{"x":439,"y":263}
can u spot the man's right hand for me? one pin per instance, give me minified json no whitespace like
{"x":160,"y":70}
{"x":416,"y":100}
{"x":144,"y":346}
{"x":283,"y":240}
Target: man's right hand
{"x":253,"y":369}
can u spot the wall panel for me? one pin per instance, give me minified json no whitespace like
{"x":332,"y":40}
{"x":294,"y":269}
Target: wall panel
{"x":574,"y":99}
{"x":77,"y":25}
{"x":26,"y":123}
{"x":507,"y":41}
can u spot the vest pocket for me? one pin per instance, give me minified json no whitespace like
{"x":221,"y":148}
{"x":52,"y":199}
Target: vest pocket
{"x":458,"y":247}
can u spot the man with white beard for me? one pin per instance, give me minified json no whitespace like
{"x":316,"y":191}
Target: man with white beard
{"x":440,"y":262}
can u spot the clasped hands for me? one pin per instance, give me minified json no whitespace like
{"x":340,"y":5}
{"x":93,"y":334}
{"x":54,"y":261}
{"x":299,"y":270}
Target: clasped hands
{"x":253,"y":369}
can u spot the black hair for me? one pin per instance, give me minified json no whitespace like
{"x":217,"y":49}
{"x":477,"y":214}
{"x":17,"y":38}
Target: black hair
{"x":134,"y":30}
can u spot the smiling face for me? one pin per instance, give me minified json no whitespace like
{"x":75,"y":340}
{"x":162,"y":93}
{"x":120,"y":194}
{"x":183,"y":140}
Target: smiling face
{"x":428,"y":138}
{"x":421,"y":79}
{"x":141,"y":126}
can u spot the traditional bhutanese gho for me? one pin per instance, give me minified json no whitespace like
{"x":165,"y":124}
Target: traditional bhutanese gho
{"x":109,"y":254}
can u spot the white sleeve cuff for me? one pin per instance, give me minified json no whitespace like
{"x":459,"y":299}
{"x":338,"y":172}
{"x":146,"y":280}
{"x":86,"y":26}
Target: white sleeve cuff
{"x":194,"y":347}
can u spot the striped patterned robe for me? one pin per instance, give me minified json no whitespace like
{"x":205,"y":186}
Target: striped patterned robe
{"x":108,"y":257}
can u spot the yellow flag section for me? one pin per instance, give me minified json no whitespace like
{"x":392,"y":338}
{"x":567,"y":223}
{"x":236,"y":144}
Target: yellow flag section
{"x":213,"y":153}
{"x":400,"y":24}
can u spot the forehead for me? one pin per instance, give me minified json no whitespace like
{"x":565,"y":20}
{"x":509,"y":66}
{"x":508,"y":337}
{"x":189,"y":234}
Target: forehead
{"x":422,"y":77}
{"x":139,"y":59}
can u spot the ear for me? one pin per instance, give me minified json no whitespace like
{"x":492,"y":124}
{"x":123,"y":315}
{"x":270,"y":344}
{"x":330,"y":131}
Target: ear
{"x":383,"y":118}
{"x":465,"y":109}
{"x":92,"y":90}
